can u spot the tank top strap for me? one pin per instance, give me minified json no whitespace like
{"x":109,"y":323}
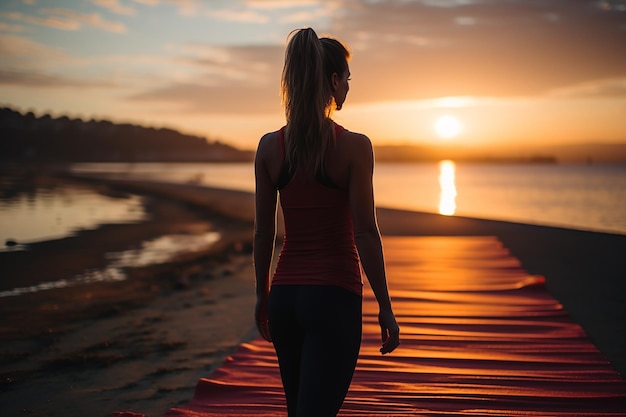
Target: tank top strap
{"x":338,"y":129}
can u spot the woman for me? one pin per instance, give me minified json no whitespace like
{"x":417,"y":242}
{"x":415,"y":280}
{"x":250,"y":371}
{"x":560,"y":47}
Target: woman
{"x":323,"y":173}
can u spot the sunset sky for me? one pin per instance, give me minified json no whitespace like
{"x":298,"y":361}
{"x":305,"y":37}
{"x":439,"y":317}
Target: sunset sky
{"x":506,"y":71}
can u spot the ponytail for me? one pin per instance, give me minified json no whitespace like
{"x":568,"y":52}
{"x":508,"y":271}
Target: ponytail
{"x":307,"y":97}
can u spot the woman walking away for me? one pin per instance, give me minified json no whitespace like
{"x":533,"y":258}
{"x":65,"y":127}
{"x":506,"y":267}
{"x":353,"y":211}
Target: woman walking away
{"x":311,"y":308}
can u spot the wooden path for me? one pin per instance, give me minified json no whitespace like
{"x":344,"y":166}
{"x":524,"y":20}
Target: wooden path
{"x":479,"y":338}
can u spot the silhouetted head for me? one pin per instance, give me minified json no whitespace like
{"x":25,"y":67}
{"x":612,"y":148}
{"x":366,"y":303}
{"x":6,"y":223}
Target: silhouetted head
{"x":315,"y":73}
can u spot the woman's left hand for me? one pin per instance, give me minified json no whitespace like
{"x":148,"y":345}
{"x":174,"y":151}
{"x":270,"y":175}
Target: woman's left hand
{"x":389,"y":331}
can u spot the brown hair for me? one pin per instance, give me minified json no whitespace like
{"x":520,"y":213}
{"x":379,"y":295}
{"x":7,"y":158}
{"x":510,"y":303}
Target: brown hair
{"x":306,"y":88}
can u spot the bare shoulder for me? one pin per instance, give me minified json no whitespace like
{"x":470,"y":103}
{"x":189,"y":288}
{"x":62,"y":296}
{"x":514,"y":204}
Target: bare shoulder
{"x":267,"y":145}
{"x":355,"y":143}
{"x":268,"y":138}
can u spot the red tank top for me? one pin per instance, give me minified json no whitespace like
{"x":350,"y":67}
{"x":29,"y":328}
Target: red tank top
{"x":318,"y":246}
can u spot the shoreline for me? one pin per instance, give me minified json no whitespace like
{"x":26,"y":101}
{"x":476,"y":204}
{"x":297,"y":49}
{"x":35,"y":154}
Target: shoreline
{"x":148,"y":343}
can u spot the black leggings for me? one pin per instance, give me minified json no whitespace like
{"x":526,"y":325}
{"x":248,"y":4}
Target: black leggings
{"x":316,"y":330}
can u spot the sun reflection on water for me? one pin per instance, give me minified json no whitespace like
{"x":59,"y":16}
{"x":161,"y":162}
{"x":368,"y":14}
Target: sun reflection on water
{"x":447,"y":196}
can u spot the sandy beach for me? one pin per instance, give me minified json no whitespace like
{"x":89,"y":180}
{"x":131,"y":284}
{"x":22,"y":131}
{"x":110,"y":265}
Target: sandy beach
{"x":142,"y":344}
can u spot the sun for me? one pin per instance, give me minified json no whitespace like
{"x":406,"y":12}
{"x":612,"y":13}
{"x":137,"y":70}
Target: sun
{"x":448,"y":127}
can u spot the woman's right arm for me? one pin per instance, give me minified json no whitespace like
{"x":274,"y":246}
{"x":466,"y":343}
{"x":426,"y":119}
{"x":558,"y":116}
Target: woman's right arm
{"x":367,"y":237}
{"x":264,"y":233}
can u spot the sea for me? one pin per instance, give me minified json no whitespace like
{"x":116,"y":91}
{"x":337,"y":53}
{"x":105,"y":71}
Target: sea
{"x":575,"y":196}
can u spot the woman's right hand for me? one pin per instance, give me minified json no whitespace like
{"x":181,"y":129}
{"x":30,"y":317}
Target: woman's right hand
{"x":389,"y":331}
{"x":260,"y":315}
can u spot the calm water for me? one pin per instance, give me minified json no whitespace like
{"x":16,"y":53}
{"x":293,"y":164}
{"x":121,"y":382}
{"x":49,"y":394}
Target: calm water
{"x":587,"y":197}
{"x":48,"y":213}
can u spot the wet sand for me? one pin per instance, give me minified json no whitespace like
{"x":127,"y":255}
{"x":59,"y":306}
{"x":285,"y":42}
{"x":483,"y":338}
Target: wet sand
{"x":142,"y":344}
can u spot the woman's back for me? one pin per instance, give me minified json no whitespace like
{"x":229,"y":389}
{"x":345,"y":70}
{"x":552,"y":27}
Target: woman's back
{"x":318,"y":228}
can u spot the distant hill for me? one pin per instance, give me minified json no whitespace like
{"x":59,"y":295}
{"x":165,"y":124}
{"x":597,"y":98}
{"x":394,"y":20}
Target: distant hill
{"x":27,"y":138}
{"x":589,"y":152}
{"x":582,"y":153}
{"x":422,"y":153}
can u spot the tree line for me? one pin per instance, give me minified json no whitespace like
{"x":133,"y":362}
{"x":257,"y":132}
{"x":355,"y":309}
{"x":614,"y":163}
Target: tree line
{"x":28,"y":138}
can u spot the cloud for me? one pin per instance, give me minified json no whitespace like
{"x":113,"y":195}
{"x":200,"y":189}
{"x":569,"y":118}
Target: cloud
{"x":244,"y":16}
{"x":27,"y":63}
{"x":238,"y":79}
{"x":78,"y":19}
{"x":65,"y":19}
{"x":511,"y":48}
{"x":274,"y":11}
{"x":42,"y":80}
{"x":283,"y":4}
{"x":257,"y":63}
{"x":7,"y":27}
{"x":222,"y":98}
{"x":185,"y":7}
{"x":52,"y":21}
{"x":200,"y":51}
{"x":447,"y":3}
{"x":307,"y":15}
{"x":613,"y":87}
{"x":115,"y":7}
{"x":20,"y":52}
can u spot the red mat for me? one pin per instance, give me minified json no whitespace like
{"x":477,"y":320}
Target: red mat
{"x":479,"y":338}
